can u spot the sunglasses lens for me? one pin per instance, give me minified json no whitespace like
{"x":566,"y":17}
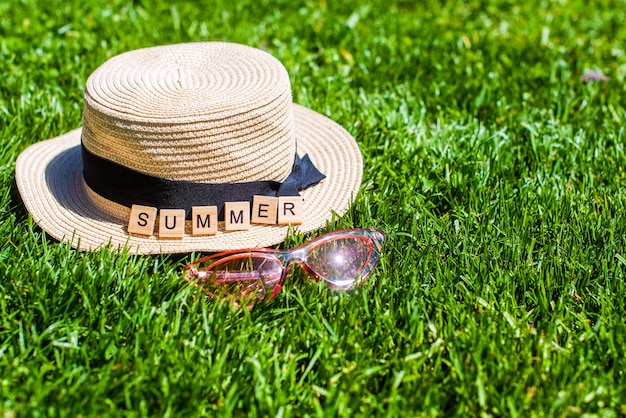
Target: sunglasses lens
{"x":244,"y":279}
{"x":340,"y":261}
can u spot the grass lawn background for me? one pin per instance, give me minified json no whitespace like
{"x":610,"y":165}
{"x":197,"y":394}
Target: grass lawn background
{"x":498,"y":174}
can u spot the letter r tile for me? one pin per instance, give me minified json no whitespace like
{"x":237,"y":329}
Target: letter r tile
{"x":290,"y":210}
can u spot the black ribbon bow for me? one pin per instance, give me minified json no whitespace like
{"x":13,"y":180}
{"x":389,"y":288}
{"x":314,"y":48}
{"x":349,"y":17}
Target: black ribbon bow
{"x":303,"y":174}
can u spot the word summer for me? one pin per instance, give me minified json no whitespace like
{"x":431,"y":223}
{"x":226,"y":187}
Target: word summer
{"x":266,"y":210}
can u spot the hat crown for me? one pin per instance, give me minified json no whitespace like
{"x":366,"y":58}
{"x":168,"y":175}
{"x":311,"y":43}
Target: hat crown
{"x":203,"y":112}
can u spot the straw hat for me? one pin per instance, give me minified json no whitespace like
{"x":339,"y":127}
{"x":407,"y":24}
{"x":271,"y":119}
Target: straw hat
{"x":185,"y":114}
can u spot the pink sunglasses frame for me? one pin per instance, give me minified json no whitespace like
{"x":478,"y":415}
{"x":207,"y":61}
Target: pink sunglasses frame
{"x":372,"y":237}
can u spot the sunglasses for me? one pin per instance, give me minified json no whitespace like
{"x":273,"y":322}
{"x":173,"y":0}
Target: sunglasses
{"x":342,"y":259}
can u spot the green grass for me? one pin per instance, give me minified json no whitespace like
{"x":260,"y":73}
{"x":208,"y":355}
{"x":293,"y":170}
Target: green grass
{"x":499,"y":176}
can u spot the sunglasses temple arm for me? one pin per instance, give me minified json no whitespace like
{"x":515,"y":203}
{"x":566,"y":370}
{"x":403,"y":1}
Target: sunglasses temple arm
{"x":285,"y":272}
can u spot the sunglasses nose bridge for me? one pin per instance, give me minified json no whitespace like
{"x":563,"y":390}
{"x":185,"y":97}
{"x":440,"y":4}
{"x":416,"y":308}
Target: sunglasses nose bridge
{"x":297,"y":256}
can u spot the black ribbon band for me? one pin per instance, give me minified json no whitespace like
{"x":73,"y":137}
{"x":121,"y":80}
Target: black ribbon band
{"x":128,"y":187}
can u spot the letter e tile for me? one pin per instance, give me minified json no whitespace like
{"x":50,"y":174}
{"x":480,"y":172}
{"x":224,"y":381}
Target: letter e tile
{"x":264,"y":210}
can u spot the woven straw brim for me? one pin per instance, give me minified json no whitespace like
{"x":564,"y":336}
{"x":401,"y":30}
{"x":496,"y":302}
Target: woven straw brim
{"x":49,"y":179}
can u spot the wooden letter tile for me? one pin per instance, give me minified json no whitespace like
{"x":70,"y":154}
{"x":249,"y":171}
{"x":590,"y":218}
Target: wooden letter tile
{"x":172,"y":223}
{"x":290,"y":210}
{"x":142,"y":220}
{"x":236,"y":216}
{"x":204,"y":220}
{"x":264,"y":210}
